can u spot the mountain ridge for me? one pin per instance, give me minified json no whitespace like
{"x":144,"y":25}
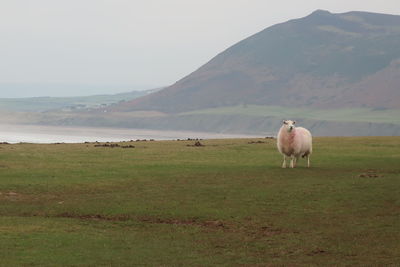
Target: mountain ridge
{"x":322,"y":60}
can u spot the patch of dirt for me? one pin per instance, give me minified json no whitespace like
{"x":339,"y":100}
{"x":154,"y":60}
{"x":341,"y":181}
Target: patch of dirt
{"x":316,"y":252}
{"x":120,"y":217}
{"x":197,"y":144}
{"x":111,"y":145}
{"x":370,"y":174}
{"x":12,"y":196}
{"x":150,"y":220}
{"x":128,"y":146}
{"x":107,"y":145}
{"x":195,"y":222}
{"x":256,"y":142}
{"x":266,"y":231}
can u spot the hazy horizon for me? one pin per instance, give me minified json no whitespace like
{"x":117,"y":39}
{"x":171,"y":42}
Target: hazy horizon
{"x":68,"y":48}
{"x":29,"y":90}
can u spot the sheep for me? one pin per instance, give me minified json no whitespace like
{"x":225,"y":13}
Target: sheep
{"x":294,"y":142}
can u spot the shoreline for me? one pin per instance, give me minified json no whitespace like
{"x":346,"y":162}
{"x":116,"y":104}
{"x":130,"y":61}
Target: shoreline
{"x":44,"y":134}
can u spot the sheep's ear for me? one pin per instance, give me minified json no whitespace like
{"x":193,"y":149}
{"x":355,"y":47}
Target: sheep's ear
{"x":284,"y":122}
{"x":294,"y":122}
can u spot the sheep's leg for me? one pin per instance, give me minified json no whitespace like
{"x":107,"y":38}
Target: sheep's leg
{"x":284,"y":161}
{"x":295,"y":159}
{"x":308,"y":161}
{"x":292,"y":159}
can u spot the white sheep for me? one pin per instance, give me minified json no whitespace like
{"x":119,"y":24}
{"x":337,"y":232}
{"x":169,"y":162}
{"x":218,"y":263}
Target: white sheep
{"x":294,"y":142}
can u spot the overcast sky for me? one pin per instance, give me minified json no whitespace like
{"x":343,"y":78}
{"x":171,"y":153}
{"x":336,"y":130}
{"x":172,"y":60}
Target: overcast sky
{"x":83,"y":47}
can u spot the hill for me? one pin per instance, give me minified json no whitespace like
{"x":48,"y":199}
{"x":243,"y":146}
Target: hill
{"x":45,"y":104}
{"x":323,"y":60}
{"x":336,"y":74}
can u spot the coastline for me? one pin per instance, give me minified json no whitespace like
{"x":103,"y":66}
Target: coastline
{"x":18,"y":133}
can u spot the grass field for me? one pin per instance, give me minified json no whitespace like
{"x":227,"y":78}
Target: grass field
{"x":226,"y":203}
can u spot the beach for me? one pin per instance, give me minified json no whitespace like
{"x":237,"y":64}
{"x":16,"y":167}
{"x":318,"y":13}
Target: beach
{"x":12,"y":133}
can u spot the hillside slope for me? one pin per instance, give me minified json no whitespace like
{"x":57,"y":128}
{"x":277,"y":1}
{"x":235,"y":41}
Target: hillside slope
{"x":322,"y":60}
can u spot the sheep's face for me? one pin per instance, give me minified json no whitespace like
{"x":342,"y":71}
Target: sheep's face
{"x":289,"y":125}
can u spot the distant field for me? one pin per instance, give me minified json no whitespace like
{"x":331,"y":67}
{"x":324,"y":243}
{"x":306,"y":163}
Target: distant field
{"x":170,"y":203}
{"x":342,"y":114}
{"x":40,"y":104}
{"x":242,"y":119}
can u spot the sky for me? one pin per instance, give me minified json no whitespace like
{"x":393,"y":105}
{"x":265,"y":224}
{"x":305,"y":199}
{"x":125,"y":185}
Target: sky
{"x":86,"y":47}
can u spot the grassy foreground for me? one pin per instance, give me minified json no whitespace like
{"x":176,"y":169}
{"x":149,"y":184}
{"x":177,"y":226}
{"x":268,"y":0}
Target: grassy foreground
{"x":225,"y":203}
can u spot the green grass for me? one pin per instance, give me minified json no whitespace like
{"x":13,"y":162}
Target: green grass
{"x":228,"y":203}
{"x":342,"y":114}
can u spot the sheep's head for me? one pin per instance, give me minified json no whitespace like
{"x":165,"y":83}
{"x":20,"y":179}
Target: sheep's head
{"x":289,"y":125}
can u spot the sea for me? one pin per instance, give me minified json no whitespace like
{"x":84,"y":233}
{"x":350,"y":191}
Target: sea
{"x":10,"y":133}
